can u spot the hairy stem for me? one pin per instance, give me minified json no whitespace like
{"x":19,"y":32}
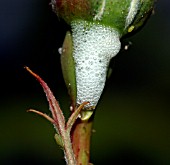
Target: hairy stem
{"x":69,"y":155}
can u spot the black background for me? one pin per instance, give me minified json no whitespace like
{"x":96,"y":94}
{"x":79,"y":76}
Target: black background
{"x":132,"y":121}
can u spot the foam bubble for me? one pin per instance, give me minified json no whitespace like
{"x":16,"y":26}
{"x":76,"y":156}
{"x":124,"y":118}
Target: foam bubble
{"x":94,"y":46}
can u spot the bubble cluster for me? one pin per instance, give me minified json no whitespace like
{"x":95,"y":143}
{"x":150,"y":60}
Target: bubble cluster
{"x":93,"y":47}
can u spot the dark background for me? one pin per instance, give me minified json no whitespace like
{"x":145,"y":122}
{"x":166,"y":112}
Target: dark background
{"x":132,"y":121}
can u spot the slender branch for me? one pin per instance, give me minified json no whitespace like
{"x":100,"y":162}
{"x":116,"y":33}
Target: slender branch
{"x":74,"y":116}
{"x":58,"y":120}
{"x":54,"y":106}
{"x":43,"y":115}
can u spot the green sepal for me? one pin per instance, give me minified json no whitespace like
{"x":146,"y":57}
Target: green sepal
{"x":68,"y":67}
{"x":142,"y":16}
{"x":112,"y":13}
{"x":109,"y":72}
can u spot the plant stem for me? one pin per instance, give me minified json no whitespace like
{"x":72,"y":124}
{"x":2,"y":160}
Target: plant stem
{"x":81,"y":135}
{"x":69,"y":155}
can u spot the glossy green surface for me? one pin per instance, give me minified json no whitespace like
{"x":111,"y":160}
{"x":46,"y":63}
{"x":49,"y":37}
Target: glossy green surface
{"x":111,"y":13}
{"x":68,"y":67}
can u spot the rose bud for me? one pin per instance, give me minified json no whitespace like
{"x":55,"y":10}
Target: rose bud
{"x":97,"y":26}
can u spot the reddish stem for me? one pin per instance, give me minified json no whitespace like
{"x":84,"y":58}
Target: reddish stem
{"x":81,"y":135}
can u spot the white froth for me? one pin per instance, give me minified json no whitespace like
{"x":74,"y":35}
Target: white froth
{"x":94,"y":46}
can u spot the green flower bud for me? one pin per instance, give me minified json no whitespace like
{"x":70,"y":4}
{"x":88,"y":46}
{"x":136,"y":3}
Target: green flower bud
{"x":118,"y":14}
{"x":97,"y":26}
